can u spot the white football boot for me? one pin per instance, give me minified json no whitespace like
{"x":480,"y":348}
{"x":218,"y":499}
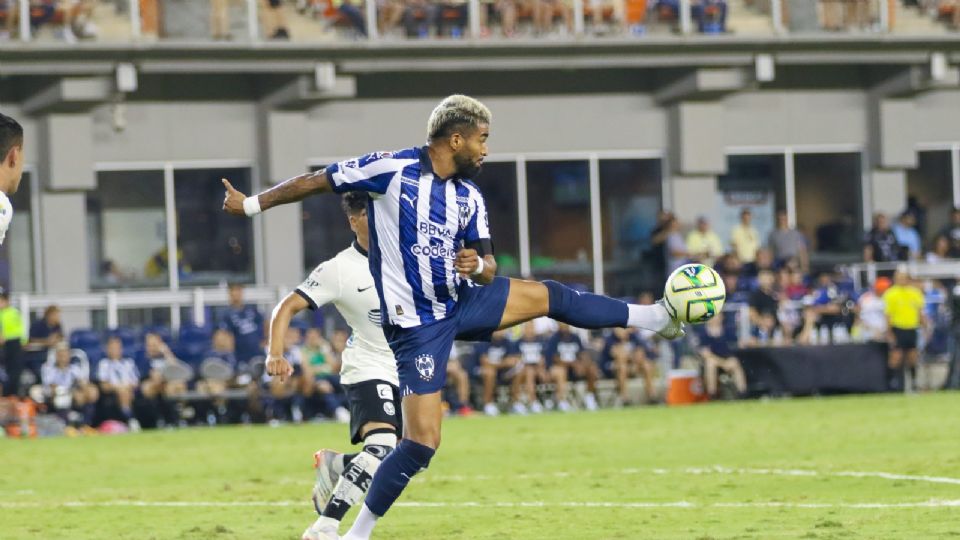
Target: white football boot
{"x":326,"y":479}
{"x":319,"y":531}
{"x":674,"y":329}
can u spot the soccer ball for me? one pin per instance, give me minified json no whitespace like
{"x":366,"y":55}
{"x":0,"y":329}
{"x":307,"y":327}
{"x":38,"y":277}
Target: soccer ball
{"x":694,"y":293}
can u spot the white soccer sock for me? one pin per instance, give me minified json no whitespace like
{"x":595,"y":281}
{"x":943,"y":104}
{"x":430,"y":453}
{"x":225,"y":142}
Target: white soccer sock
{"x":653,"y":317}
{"x":363,"y":526}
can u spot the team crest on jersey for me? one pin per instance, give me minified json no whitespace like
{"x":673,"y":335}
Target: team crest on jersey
{"x":389,"y":408}
{"x":425,"y":366}
{"x":464,"y":213}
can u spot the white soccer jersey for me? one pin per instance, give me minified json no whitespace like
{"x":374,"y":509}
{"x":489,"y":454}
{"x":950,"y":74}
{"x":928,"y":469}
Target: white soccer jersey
{"x":121,"y":372}
{"x":66,"y":377}
{"x":345,"y":281}
{"x":417,"y":225}
{"x":6,"y":215}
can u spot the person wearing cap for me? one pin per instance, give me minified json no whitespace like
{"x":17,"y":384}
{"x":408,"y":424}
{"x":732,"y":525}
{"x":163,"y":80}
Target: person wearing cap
{"x":703,"y":244}
{"x":13,"y":336}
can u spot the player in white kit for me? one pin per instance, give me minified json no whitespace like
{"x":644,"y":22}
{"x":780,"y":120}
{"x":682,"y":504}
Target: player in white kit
{"x":11,"y":168}
{"x":368,"y":372}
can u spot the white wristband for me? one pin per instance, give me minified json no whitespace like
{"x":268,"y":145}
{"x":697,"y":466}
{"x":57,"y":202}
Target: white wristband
{"x":479,"y":269}
{"x":251,"y":206}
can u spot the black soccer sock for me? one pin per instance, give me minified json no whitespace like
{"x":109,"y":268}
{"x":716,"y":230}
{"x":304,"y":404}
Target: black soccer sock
{"x":358,"y":474}
{"x":341,"y":462}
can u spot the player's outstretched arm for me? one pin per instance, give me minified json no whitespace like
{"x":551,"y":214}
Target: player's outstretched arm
{"x":291,"y":190}
{"x":279,"y":324}
{"x":469,"y":264}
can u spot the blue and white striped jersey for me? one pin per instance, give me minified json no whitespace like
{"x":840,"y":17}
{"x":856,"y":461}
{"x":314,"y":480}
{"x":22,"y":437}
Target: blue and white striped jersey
{"x":417,"y":225}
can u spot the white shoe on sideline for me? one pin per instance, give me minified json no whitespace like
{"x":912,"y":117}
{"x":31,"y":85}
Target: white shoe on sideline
{"x":490,"y":409}
{"x":536,"y":407}
{"x":590,"y":402}
{"x":326,"y":478}
{"x":320,"y":531}
{"x":519,"y":408}
{"x":564,"y":406}
{"x":134,"y":425}
{"x":341,"y":415}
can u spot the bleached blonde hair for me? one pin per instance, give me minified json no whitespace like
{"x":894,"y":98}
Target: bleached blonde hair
{"x":454,"y":111}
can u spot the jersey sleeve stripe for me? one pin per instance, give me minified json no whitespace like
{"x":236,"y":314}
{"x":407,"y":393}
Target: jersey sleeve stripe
{"x":305,"y":296}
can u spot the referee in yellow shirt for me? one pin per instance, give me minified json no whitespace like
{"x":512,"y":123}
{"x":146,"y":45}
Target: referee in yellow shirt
{"x":904,"y":305}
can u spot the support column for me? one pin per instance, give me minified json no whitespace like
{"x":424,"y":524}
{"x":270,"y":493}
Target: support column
{"x":888,"y":190}
{"x":283,"y":143}
{"x":697,"y":157}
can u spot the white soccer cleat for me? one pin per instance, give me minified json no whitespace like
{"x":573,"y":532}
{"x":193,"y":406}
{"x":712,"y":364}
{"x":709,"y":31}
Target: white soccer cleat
{"x":326,"y":479}
{"x":490,"y":409}
{"x":674,"y":328}
{"x":590,"y":402}
{"x":319,"y":531}
{"x":519,"y":408}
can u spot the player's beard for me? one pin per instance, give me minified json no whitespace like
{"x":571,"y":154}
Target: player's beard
{"x":466,"y":167}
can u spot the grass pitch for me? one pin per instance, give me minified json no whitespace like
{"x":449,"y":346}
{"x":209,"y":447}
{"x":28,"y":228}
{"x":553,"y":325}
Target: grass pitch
{"x":859,"y":467}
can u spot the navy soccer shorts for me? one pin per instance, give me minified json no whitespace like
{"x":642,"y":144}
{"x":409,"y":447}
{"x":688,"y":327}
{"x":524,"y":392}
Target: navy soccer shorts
{"x":422,"y":352}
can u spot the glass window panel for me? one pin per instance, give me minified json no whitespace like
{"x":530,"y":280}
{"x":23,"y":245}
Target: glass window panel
{"x":127,"y":230}
{"x":630,"y":197}
{"x":326,"y":231}
{"x":756,"y":182}
{"x":498,"y":184}
{"x":218,"y":20}
{"x":930,"y":186}
{"x":559,"y":209}
{"x":216,"y":247}
{"x":829,"y":202}
{"x":17,"y":251}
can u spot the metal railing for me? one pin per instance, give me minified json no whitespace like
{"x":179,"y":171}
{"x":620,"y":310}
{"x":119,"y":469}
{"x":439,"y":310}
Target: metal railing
{"x":864,"y":274}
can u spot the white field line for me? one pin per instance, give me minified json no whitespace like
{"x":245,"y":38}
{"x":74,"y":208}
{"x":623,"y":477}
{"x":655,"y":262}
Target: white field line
{"x":719,"y":470}
{"x":932,"y":503}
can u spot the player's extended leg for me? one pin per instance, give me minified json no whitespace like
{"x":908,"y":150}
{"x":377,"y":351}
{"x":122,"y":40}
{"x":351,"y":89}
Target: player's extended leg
{"x":529,"y":300}
{"x":352,"y":474}
{"x":421,"y":437}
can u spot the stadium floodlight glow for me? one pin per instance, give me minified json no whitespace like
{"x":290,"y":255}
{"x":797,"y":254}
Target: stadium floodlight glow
{"x":938,"y":66}
{"x":126,"y":77}
{"x":764,"y":67}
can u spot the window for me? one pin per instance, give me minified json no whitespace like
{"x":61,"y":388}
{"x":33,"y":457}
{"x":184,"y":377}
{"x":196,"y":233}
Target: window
{"x":17,"y":251}
{"x":498,"y":184}
{"x":930,"y":187}
{"x":757,"y":182}
{"x":630,"y":197}
{"x":216,"y":247}
{"x":829,"y":201}
{"x":127,"y":224}
{"x":558,"y":195}
{"x":326,"y":231}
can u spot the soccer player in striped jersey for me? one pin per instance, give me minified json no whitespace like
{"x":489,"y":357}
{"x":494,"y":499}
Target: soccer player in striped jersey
{"x":368,"y":371}
{"x":11,"y":168}
{"x":432,"y":262}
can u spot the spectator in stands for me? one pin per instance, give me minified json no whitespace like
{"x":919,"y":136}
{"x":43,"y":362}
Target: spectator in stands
{"x":389,"y":15}
{"x":765,"y":332}
{"x":905,"y":231}
{"x":788,"y":243}
{"x":458,"y":399}
{"x":871,"y":317}
{"x":763,"y":262}
{"x":544,"y":12}
{"x":119,"y":379}
{"x":506,"y":11}
{"x":418,"y":17}
{"x":451,"y":18}
{"x":703,"y":244}
{"x":618,"y":11}
{"x":47,"y":332}
{"x":952,"y":230}
{"x":880,"y":244}
{"x":165,"y":378}
{"x":656,"y":254}
{"x":829,"y":305}
{"x":745,"y":239}
{"x":67,"y":387}
{"x":940,"y":250}
{"x":675,"y":248}
{"x":791,"y":284}
{"x":714,"y":348}
{"x":764,"y":300}
{"x":568,"y":359}
{"x":710,"y":15}
{"x":13,"y":336}
{"x":321,"y":379}
{"x":499,"y":359}
{"x":75,"y":15}
{"x":531,"y":347}
{"x":905,"y":305}
{"x":624,"y":356}
{"x":274,"y":19}
{"x":245,"y":322}
{"x":222,"y":348}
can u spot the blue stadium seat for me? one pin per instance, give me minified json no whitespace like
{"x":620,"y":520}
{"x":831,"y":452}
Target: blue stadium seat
{"x":193,"y":343}
{"x":130,"y":338}
{"x":89,"y":342}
